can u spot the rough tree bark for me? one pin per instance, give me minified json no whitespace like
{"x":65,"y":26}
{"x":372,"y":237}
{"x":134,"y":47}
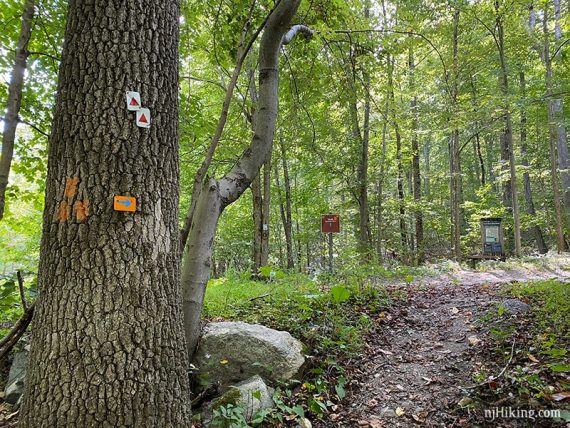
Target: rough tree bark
{"x":536,"y":231}
{"x":508,"y":128}
{"x":108,"y":346}
{"x":15,"y":100}
{"x":218,"y":194}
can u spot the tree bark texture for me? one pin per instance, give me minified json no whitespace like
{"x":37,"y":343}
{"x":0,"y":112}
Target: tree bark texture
{"x":218,"y":194}
{"x":108,"y":345}
{"x":15,"y":100}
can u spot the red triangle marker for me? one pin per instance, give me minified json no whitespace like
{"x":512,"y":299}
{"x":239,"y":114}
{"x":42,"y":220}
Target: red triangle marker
{"x":143,"y":119}
{"x":134,"y":102}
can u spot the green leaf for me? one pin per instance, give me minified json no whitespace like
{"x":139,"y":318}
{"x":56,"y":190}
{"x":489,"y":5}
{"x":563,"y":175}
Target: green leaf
{"x":340,"y":294}
{"x":559,"y":368}
{"x":299,"y":411}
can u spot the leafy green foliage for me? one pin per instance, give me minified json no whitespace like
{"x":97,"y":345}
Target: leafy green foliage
{"x":331,"y":319}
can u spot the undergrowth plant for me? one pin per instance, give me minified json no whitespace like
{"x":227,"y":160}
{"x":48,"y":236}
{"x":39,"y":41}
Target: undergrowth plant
{"x":331,"y":318}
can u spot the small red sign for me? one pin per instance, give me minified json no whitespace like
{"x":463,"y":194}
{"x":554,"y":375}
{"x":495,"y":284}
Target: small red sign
{"x":330,"y":223}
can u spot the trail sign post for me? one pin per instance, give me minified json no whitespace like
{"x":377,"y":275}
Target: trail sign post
{"x":330,"y":223}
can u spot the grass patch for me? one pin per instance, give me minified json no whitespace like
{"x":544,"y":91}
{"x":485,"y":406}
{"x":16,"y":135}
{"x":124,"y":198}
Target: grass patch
{"x":534,"y":348}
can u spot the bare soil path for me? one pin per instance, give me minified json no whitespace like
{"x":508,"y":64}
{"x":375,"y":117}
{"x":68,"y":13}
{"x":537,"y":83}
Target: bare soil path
{"x":421,"y":361}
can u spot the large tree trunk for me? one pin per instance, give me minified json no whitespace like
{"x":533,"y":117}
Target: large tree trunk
{"x":108,"y":346}
{"x":15,"y":100}
{"x":218,"y":194}
{"x":536,"y":231}
{"x":508,"y":131}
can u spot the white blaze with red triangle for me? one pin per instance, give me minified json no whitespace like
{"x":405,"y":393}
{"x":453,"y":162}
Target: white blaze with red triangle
{"x":133,"y":101}
{"x":143,"y":118}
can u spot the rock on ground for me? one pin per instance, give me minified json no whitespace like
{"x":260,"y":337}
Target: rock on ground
{"x":514,"y":307}
{"x":16,"y":378}
{"x":252,"y":395}
{"x":230,"y":352}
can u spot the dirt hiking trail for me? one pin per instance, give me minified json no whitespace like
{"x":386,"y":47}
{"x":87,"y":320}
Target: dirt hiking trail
{"x":419,"y":363}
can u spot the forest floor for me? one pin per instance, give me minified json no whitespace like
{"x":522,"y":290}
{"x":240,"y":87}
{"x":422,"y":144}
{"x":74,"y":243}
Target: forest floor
{"x":429,"y":361}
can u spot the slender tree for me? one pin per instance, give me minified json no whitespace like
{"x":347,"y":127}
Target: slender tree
{"x":218,"y":194}
{"x":507,"y":136}
{"x":15,"y":100}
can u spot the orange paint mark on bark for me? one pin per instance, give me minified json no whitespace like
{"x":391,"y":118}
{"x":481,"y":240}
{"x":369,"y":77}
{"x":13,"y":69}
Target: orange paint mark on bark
{"x":71,"y":186}
{"x":81,"y":210}
{"x":63,"y":212}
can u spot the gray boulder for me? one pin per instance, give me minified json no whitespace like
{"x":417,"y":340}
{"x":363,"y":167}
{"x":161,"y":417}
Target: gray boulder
{"x":16,"y":378}
{"x":231,"y":352}
{"x":251,"y":395}
{"x":514,"y":307}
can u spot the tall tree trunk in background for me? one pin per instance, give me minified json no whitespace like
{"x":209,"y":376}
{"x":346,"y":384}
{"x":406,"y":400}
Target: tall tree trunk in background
{"x":427,"y":165}
{"x":288,"y":218}
{"x":108,"y":346}
{"x":257,"y":201}
{"x":480,"y":163}
{"x":218,"y":194}
{"x":200,"y":178}
{"x":364,"y":217}
{"x":380,"y":185}
{"x":261,"y":194}
{"x":508,"y":130}
{"x":417,"y":179}
{"x":454,"y":152}
{"x":15,"y":100}
{"x":400,"y":167}
{"x":362,"y":177}
{"x":536,"y":231}
{"x":553,"y":136}
{"x":266,"y":212}
{"x":558,"y":115}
